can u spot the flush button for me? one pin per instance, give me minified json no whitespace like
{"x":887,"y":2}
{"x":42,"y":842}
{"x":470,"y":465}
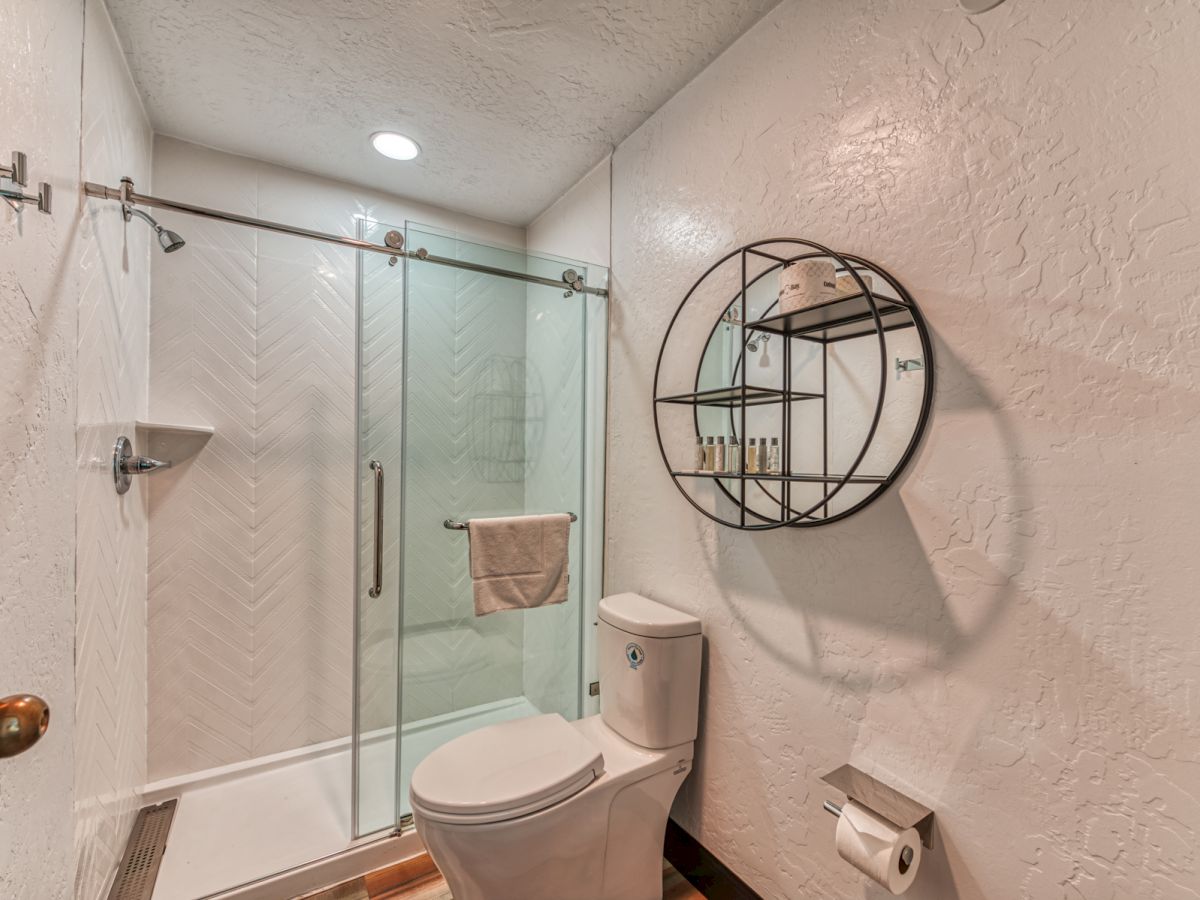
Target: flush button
{"x":634,"y":654}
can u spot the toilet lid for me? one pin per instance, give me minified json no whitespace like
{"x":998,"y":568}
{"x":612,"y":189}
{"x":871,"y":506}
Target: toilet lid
{"x":506,"y":770}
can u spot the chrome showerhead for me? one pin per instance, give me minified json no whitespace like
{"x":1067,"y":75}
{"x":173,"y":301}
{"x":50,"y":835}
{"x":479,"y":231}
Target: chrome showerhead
{"x":167,"y":239}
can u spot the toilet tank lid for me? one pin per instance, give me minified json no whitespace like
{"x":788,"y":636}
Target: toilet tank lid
{"x":644,"y":617}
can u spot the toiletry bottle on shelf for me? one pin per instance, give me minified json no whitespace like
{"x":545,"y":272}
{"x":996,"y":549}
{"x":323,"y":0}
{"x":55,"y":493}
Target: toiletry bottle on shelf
{"x":733,"y":457}
{"x":773,"y":467}
{"x":710,"y":452}
{"x":752,"y":457}
{"x":719,"y":455}
{"x":698,"y":458}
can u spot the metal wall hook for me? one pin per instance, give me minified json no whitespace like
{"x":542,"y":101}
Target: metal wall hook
{"x":18,"y":174}
{"x":17,"y":199}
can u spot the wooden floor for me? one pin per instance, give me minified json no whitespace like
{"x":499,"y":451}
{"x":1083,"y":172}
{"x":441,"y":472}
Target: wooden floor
{"x":419,"y":879}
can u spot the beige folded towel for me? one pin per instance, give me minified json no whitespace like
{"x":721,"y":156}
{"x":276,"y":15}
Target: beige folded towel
{"x":518,"y":562}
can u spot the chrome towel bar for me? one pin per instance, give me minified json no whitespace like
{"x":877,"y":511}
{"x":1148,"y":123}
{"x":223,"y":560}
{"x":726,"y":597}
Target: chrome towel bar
{"x":455,"y":525}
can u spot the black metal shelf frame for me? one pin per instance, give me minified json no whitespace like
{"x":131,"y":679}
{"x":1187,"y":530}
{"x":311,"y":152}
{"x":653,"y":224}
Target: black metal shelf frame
{"x":739,"y":395}
{"x":860,"y":314}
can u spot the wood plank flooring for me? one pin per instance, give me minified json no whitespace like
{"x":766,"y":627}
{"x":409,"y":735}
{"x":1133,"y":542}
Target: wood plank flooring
{"x":419,"y":879}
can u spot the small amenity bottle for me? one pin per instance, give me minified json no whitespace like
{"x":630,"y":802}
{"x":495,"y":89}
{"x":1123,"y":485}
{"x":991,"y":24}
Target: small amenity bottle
{"x":733,"y":458}
{"x":698,"y":459}
{"x":719,"y":455}
{"x":710,"y":452}
{"x":752,"y":457}
{"x":773,"y":457}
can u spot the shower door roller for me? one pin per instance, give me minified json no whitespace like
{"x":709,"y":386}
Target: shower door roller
{"x":24,"y":718}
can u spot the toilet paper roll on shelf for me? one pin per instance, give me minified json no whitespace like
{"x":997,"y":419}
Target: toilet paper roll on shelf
{"x":883,"y":852}
{"x":880,"y":831}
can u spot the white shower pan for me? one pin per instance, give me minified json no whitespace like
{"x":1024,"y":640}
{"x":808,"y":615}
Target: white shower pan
{"x":237,"y":826}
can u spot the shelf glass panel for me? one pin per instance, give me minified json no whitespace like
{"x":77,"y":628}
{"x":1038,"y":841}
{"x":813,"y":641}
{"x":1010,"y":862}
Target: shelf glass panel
{"x":837,"y":320}
{"x":794,"y":476}
{"x":732,"y":396}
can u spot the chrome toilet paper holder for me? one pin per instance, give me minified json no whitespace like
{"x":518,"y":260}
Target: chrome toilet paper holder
{"x":899,"y":809}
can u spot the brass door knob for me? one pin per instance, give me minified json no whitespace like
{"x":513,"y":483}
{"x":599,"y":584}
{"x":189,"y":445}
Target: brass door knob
{"x":23,"y":719}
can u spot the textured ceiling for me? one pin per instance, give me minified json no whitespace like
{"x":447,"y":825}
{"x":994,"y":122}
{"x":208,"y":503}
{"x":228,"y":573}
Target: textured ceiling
{"x":511,"y":101}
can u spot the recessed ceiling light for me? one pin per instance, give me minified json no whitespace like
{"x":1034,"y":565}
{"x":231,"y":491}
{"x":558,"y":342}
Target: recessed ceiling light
{"x":395,"y":146}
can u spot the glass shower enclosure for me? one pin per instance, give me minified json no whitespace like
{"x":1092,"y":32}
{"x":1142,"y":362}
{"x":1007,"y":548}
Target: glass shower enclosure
{"x":479,"y":395}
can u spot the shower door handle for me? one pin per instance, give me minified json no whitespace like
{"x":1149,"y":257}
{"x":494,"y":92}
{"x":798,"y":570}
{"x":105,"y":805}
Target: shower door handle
{"x":377,"y":580}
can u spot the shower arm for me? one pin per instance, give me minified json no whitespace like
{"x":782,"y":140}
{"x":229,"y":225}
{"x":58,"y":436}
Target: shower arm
{"x":131,"y":211}
{"x":126,"y":195}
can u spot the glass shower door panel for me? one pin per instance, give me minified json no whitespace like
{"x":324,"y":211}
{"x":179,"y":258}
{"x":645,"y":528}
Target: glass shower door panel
{"x":479,"y":395}
{"x":377,"y":629}
{"x":494,"y":417}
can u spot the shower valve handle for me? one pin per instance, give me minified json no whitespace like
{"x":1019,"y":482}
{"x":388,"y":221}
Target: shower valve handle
{"x":126,"y":464}
{"x":140,"y":465}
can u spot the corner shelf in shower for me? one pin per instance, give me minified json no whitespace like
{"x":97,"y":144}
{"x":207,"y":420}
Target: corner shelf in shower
{"x":175,"y":441}
{"x":174,"y":428}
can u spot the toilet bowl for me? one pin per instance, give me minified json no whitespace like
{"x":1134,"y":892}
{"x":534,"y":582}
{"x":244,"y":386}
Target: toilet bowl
{"x":545,"y":809}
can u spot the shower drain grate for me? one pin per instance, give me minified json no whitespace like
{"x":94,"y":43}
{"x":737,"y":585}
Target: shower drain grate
{"x":143,"y":854}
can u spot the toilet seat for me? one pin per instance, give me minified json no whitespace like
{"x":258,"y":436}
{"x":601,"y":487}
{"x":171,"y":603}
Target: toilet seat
{"x":504,"y":771}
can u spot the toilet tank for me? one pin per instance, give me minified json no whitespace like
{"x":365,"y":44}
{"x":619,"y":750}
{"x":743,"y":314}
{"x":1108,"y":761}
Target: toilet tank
{"x":649,"y":657}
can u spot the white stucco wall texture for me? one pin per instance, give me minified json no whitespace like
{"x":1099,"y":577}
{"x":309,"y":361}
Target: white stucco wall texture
{"x":40,"y":108}
{"x":1010,"y":635}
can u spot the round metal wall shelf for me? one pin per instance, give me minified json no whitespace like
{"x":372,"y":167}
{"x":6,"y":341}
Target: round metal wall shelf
{"x":839,"y":449}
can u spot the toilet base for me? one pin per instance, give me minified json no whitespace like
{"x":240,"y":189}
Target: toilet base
{"x":604,"y":843}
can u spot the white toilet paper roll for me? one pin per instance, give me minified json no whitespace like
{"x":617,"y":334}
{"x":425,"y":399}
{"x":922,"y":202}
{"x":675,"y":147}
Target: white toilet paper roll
{"x":874,"y":846}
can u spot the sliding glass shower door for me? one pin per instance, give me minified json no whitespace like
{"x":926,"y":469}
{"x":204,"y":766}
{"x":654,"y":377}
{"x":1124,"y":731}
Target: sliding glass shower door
{"x":478,"y":397}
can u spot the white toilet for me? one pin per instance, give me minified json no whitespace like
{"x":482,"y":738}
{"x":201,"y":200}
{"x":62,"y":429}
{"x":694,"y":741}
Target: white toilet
{"x":545,"y":809}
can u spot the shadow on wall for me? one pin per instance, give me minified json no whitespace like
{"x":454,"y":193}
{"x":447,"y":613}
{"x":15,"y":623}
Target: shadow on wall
{"x":1081,"y":737}
{"x":874,"y":569}
{"x":873,"y":576}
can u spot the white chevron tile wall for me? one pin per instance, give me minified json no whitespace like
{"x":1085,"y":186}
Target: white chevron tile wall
{"x":251,"y":537}
{"x":110,"y":646}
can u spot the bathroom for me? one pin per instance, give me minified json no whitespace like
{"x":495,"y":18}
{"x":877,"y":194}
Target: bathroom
{"x":381,"y":281}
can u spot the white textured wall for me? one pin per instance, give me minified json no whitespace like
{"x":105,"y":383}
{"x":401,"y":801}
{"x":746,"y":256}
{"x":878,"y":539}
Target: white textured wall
{"x":39,"y":277}
{"x":576,"y":224}
{"x":1011,"y":634}
{"x":251,"y":539}
{"x":110,"y":562}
